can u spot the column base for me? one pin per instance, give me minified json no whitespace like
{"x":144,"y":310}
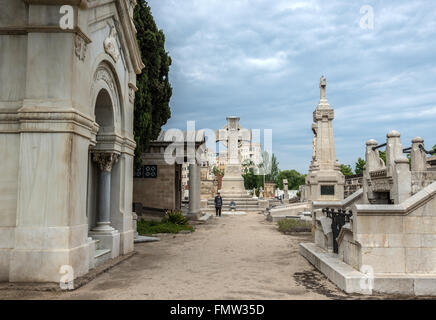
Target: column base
{"x":194,"y":215}
{"x":103,"y":227}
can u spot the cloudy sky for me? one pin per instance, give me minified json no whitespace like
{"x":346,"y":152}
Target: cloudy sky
{"x":261,"y":60}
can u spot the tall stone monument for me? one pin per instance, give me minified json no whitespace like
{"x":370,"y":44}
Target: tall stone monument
{"x":325,"y":180}
{"x":232,"y":136}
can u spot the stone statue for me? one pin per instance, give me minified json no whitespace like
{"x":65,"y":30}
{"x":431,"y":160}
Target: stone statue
{"x":110,"y":44}
{"x":314,"y":141}
{"x":322,"y":86}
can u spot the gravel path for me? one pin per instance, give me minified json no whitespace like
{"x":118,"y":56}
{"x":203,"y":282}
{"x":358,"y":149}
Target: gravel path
{"x":242,"y":257}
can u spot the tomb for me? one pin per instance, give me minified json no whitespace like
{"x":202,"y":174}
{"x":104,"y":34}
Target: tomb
{"x":66,"y":132}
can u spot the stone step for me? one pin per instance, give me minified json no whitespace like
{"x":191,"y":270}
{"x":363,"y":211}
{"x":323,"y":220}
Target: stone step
{"x":236,"y":201}
{"x":211,"y":210}
{"x":101,"y":252}
{"x":251,"y":205}
{"x":97,"y":244}
{"x":142,"y":239}
{"x":101,"y":256}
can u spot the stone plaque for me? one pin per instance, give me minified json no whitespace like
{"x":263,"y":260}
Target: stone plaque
{"x":150,"y":172}
{"x":327,"y":190}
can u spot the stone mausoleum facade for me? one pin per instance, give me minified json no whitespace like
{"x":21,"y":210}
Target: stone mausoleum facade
{"x":66,"y":135}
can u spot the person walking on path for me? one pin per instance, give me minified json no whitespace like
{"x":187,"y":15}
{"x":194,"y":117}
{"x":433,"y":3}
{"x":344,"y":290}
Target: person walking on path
{"x":218,"y":204}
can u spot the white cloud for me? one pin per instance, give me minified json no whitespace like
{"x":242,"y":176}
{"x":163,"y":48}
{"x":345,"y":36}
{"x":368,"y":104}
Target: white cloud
{"x":262,"y":60}
{"x":269,"y":63}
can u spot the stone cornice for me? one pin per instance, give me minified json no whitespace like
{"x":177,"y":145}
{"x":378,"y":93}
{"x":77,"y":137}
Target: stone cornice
{"x":23,"y":30}
{"x":81,"y":3}
{"x":123,"y":13}
{"x":60,"y":121}
{"x":132,"y":44}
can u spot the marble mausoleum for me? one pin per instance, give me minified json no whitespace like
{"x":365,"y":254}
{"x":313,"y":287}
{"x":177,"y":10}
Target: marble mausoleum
{"x":66,"y":135}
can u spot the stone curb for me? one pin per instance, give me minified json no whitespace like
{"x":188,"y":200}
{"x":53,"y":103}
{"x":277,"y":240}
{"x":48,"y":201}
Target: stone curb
{"x":79,"y":282}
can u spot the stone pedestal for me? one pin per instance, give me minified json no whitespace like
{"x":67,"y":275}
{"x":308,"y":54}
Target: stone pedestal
{"x":233,"y":182}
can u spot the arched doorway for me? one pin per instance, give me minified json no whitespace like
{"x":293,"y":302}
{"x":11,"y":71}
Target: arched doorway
{"x":104,"y":117}
{"x":102,"y":158}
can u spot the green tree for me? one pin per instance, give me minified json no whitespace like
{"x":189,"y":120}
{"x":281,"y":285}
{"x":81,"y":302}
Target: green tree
{"x":271,"y":166}
{"x":151,"y":109}
{"x":382,"y":155}
{"x":246,"y":164}
{"x":217,"y":172}
{"x":433,"y":150}
{"x":360,"y":164}
{"x":295,"y":179}
{"x":346,"y":170}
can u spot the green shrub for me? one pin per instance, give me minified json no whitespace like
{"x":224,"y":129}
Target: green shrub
{"x":294,"y":225}
{"x":146,"y":227}
{"x":175,"y":217}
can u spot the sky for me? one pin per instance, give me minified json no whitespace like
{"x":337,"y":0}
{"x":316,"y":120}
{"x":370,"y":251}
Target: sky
{"x":262,"y":60}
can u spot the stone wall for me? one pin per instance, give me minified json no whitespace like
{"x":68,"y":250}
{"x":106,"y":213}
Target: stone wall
{"x":158,"y":193}
{"x":399,"y":238}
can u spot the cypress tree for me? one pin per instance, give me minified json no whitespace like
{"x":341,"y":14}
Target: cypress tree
{"x":152,"y":108}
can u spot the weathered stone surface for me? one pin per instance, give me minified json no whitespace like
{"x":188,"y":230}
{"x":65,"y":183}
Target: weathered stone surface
{"x":62,"y":98}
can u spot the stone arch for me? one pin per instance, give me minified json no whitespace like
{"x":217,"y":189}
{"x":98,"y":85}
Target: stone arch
{"x":105,"y":78}
{"x":104,"y":152}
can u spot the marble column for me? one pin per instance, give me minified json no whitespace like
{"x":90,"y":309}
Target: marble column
{"x":105,"y":162}
{"x":194,"y":191}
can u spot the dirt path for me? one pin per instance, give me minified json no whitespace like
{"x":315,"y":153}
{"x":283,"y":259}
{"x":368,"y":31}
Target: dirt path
{"x":242,"y":257}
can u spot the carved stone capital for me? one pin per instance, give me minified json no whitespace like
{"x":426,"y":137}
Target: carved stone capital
{"x":105,"y":160}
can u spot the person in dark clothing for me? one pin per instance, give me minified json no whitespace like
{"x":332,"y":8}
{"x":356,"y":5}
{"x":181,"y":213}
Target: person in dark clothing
{"x":218,"y":204}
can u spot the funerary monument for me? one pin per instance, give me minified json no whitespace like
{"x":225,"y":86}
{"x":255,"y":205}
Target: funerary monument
{"x":324,"y":182}
{"x":233,"y":135}
{"x":385,"y":241}
{"x":66,"y":135}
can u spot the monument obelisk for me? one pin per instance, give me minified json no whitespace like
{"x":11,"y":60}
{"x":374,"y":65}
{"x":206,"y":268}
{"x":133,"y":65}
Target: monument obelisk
{"x":325,"y":180}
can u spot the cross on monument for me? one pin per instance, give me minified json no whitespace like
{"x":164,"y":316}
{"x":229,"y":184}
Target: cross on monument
{"x":322,"y":86}
{"x":232,"y":136}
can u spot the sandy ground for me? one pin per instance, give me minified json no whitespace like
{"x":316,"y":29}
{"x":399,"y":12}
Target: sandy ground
{"x":242,"y":257}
